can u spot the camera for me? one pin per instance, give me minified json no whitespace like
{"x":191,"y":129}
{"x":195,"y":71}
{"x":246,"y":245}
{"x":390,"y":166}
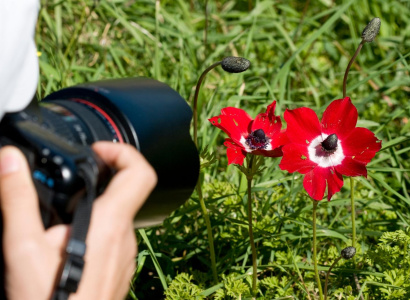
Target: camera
{"x":56,"y":135}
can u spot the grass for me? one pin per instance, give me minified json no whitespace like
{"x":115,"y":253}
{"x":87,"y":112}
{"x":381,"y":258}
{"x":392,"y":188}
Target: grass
{"x":299,"y":51}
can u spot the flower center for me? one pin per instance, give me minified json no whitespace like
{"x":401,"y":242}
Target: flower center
{"x":330,"y":143}
{"x":318,"y":150}
{"x":257,"y":140}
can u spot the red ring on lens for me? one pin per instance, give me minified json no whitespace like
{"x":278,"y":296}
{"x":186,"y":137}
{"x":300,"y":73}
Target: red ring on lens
{"x":105,"y":115}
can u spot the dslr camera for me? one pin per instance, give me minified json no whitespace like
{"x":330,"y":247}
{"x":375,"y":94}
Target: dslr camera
{"x":55,"y":135}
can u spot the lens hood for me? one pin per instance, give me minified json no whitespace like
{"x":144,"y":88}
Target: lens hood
{"x":155,"y":119}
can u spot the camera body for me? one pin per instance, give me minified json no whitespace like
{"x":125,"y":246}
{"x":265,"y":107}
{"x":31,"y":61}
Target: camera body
{"x":54,"y":163}
{"x":56,"y":137}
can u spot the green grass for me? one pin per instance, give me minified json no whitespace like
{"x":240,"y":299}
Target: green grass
{"x":298,"y":53}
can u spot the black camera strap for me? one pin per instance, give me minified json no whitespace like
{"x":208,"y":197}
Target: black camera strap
{"x":71,"y":273}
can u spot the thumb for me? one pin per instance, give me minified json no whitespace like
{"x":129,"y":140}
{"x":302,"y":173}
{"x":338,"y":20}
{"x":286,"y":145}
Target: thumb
{"x":18,"y":197}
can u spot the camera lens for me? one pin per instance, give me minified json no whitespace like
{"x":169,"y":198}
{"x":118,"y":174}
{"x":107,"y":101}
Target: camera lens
{"x":139,"y":111}
{"x":77,"y":121}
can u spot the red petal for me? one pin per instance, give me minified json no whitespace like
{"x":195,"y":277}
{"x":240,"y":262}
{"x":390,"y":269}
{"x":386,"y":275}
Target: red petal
{"x":340,"y":117}
{"x":361,"y":145}
{"x":268,"y":122}
{"x":234,"y":122}
{"x":235,"y":153}
{"x":270,"y":110}
{"x":351,"y":167}
{"x":269,"y":126}
{"x":279,"y":139}
{"x":334,"y":183}
{"x":296,"y":159}
{"x":277,"y":152}
{"x":315,"y":183}
{"x":303,"y":125}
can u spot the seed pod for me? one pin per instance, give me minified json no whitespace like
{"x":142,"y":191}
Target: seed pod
{"x":233,"y":64}
{"x":371,"y":30}
{"x":348,"y":252}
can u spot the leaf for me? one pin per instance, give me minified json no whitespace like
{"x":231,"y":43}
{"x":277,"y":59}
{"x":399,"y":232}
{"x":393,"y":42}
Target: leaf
{"x":207,"y":158}
{"x":154,"y":259}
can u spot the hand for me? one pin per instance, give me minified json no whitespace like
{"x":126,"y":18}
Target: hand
{"x":34,"y":255}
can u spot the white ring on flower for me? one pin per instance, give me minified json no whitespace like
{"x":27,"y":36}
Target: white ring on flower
{"x":248,"y":149}
{"x":325,"y":161}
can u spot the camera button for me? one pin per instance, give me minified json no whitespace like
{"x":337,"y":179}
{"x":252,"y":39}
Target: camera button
{"x":58,"y":160}
{"x":45,"y":152}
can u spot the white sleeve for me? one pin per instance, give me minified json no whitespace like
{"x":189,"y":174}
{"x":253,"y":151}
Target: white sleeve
{"x":18,"y":55}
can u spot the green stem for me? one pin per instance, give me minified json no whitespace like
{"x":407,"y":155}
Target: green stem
{"x":353,"y":212}
{"x":206,"y":29}
{"x":198,"y":86}
{"x":157,"y":66}
{"x":198,"y":186}
{"x":349,"y":65}
{"x":250,"y":221}
{"x":315,"y":203}
{"x":209,"y":230}
{"x":328,"y":272}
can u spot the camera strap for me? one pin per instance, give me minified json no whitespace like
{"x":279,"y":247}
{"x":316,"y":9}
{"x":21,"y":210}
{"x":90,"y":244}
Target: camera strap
{"x":72,"y":270}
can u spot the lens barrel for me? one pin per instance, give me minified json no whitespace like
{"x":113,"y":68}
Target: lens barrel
{"x":142,"y":112}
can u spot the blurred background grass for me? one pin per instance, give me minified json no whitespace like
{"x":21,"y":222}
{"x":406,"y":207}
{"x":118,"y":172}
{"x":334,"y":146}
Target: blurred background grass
{"x":299,"y":51}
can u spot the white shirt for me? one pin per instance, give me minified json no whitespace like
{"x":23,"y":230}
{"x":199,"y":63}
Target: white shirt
{"x":18,"y":55}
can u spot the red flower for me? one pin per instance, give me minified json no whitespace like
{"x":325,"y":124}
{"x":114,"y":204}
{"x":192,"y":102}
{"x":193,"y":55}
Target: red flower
{"x":262,"y":136}
{"x":324,"y":151}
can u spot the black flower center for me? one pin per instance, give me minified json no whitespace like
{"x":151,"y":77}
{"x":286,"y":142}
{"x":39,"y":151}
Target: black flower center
{"x":330,"y":143}
{"x":257,"y":140}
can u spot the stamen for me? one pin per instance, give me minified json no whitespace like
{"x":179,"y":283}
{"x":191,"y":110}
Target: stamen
{"x":330,"y":143}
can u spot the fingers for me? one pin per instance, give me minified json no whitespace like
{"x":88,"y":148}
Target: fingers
{"x":18,"y":197}
{"x":109,"y":260}
{"x":57,"y":237}
{"x":132,"y":184}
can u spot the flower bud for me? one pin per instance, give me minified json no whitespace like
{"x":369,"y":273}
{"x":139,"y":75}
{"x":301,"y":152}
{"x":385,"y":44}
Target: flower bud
{"x":348,"y":252}
{"x":234,"y":64}
{"x":371,"y":30}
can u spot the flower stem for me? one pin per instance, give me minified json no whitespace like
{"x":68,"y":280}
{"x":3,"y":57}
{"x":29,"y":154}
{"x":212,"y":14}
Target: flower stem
{"x":349,"y":65}
{"x":206,"y":29}
{"x":198,"y":86}
{"x":250,"y":221}
{"x":328,"y":272}
{"x":353,"y":216}
{"x":198,"y":186}
{"x":209,"y":230}
{"x":315,"y":203}
{"x":353,"y":212}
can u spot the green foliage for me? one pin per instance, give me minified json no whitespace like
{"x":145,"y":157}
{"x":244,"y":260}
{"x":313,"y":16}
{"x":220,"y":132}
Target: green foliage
{"x":257,"y":166}
{"x":344,"y":293}
{"x":233,"y":288}
{"x":392,"y":251}
{"x":207,"y":158}
{"x":276,"y":288}
{"x":391,"y":256}
{"x":181,"y":288}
